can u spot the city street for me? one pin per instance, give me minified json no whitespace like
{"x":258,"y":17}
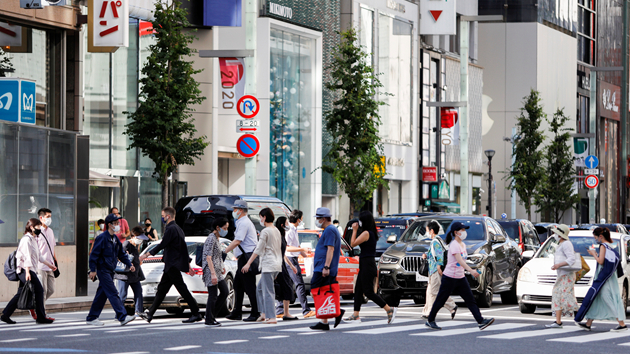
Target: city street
{"x":511,"y":331}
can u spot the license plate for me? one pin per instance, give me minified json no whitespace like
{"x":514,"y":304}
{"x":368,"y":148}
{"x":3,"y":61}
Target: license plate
{"x":420,"y":277}
{"x":151,"y":290}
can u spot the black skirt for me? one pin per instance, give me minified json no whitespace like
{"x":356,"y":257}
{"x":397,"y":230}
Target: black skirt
{"x":284,"y":287}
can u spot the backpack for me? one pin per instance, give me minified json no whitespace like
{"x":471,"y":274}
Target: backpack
{"x":199,"y":254}
{"x":445,"y":247}
{"x":10,"y":267}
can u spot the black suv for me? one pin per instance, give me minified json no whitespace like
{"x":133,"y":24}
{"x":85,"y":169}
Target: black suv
{"x":389,"y":228}
{"x":524,"y":233}
{"x":490,"y":250}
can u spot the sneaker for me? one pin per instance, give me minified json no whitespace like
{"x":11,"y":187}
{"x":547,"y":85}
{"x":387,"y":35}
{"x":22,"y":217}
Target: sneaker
{"x":583,"y":326}
{"x":146,"y":316}
{"x":554,"y":325}
{"x":432,"y":325}
{"x":619,"y":329}
{"x":338,"y":318}
{"x":285,"y":318}
{"x":320,"y":326}
{"x":310,"y":314}
{"x":95,"y":323}
{"x":391,"y":315}
{"x":7,"y":319}
{"x":485,"y":323}
{"x":454,"y":312}
{"x":213,"y":324}
{"x":127,"y":320}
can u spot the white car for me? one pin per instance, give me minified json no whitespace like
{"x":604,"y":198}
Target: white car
{"x":536,"y":279}
{"x":173,"y":303}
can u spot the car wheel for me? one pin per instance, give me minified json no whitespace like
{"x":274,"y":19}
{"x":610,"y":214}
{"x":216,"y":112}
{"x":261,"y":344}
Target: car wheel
{"x":484,"y":299}
{"x":229,"y":302}
{"x":392,"y":299}
{"x":509,"y":297}
{"x":419,"y":300}
{"x":347,"y":297}
{"x":174,"y":310}
{"x":526,"y":308}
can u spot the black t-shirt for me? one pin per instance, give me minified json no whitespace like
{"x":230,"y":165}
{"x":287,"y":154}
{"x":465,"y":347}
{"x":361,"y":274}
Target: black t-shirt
{"x":368,"y":248}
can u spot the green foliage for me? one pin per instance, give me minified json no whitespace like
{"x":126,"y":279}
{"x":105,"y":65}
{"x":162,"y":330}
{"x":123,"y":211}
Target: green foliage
{"x":354,"y":159}
{"x":162,"y":127}
{"x":526,"y":172}
{"x":5,"y":63}
{"x":555,"y":192}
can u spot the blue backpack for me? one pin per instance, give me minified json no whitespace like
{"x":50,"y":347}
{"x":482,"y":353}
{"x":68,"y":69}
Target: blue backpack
{"x":10,"y":267}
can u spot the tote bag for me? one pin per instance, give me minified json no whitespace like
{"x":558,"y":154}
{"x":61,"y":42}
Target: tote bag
{"x":326,"y":299}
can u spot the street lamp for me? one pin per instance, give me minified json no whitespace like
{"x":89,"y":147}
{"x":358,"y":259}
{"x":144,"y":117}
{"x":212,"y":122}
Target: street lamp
{"x":489,"y":155}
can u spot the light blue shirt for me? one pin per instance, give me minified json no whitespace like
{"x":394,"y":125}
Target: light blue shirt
{"x":246,"y":233}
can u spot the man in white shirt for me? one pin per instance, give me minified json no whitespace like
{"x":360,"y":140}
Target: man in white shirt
{"x":46,"y":244}
{"x":245,"y":241}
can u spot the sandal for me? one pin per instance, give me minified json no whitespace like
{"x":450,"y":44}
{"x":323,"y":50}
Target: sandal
{"x":270,"y":321}
{"x":391,"y":315}
{"x":352,"y":318}
{"x":260,"y":319}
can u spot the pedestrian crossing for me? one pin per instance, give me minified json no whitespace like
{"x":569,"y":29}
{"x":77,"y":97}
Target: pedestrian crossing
{"x":413,"y":327}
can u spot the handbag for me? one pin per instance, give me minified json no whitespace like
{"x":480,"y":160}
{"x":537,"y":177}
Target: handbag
{"x":326,"y":298}
{"x":56,"y":273}
{"x":26,"y":301}
{"x":585,"y":269}
{"x":122,"y":267}
{"x":255,"y":266}
{"x":577,"y":264}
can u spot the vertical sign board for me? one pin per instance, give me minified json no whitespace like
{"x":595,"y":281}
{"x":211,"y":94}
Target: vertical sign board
{"x":438,"y":17}
{"x":449,"y":121}
{"x":17,"y":100}
{"x":108,"y":25}
{"x":232,"y":81}
{"x":222,"y":13}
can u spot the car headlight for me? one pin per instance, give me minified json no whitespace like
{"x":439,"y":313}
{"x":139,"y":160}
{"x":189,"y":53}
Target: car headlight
{"x":526,"y":275}
{"x":389,"y":260}
{"x":475,"y":258}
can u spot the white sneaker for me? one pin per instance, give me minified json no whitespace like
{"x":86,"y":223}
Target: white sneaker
{"x":95,"y":323}
{"x":554,"y":325}
{"x":619,"y":329}
{"x":127,"y":320}
{"x":391,"y":320}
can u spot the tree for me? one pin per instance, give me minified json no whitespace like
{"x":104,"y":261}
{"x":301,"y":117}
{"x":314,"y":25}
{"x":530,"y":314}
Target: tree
{"x":526,"y":172}
{"x":5,"y":63}
{"x":555,"y":192}
{"x":162,"y":126}
{"x":354,"y":159}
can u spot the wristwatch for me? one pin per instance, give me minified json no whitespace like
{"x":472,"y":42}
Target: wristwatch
{"x":327,"y":267}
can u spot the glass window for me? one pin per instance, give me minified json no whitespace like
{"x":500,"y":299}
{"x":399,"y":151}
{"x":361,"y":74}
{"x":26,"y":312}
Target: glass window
{"x":418,"y":230}
{"x":366,"y":33}
{"x":61,"y":182}
{"x":96,"y":106}
{"x":292,"y":96}
{"x":385,"y":233}
{"x":394,"y":64}
{"x":580,"y":244}
{"x":8,"y":183}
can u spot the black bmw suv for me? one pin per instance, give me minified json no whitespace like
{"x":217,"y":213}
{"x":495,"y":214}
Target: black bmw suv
{"x":489,"y":248}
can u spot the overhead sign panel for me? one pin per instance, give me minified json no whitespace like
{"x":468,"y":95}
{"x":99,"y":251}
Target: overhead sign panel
{"x":108,"y":25}
{"x":438,"y":17}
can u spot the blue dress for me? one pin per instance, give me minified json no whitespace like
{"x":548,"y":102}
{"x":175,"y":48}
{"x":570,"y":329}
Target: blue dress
{"x":607,"y":305}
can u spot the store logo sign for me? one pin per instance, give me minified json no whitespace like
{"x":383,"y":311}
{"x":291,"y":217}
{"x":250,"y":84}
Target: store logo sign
{"x":391,"y":4}
{"x":14,"y":109}
{"x":609,"y":100}
{"x":109,"y":25}
{"x":7,"y":104}
{"x":282,"y":11}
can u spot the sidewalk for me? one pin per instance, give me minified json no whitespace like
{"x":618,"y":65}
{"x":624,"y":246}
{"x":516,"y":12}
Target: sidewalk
{"x":66,"y":304}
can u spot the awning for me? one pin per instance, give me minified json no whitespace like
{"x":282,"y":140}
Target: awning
{"x":101,"y":180}
{"x":448,"y":205}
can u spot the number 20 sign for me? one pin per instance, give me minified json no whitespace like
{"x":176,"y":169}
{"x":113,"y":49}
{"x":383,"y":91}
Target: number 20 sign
{"x":232,"y":81}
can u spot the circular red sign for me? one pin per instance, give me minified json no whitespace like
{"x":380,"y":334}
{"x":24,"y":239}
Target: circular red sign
{"x":591,"y":181}
{"x":248,"y":106}
{"x":248,"y":145}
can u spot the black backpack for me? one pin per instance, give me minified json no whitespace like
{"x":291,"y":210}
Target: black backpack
{"x":10,"y":267}
{"x":199,"y":254}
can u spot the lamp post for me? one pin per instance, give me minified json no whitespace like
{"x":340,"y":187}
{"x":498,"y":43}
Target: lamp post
{"x":489,"y":154}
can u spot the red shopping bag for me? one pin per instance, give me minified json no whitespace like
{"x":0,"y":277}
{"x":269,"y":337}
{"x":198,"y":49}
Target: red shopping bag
{"x":327,"y":303}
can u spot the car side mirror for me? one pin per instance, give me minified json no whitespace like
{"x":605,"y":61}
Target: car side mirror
{"x":391,"y":239}
{"x":498,"y":238}
{"x":528,"y":254}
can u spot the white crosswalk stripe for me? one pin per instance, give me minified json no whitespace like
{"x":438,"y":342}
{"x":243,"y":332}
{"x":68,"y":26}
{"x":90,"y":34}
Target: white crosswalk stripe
{"x":395,"y":329}
{"x":344,"y":326}
{"x":453,"y":332}
{"x":532,"y":333}
{"x":586,"y":338}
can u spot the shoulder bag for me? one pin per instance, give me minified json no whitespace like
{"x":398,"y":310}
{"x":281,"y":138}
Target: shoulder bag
{"x":26,"y":301}
{"x":255,"y":266}
{"x":122,"y":267}
{"x":56,"y":273}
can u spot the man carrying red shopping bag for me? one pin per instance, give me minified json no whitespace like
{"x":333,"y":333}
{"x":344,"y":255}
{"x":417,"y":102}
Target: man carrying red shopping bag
{"x":324,"y":285}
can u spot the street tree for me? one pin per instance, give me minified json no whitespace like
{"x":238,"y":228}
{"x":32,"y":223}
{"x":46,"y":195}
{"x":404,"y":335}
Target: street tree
{"x":555,"y":193}
{"x":526,"y":172}
{"x":162,"y":127}
{"x":354,"y":159}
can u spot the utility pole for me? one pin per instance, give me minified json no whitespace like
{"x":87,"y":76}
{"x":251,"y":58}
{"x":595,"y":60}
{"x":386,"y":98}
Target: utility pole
{"x":251,"y":16}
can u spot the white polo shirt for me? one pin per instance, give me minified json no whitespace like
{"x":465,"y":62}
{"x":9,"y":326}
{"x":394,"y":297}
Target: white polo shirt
{"x":246,"y":233}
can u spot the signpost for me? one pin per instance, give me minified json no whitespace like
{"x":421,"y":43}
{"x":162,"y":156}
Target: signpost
{"x":248,"y":106}
{"x":591,"y":161}
{"x":247,"y":126}
{"x":248,"y":145}
{"x":591,"y":181}
{"x":429,"y":174}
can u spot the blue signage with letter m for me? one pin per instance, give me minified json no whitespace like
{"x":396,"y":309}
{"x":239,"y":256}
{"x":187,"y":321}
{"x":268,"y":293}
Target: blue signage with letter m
{"x":27,"y":97}
{"x":9,"y":100}
{"x":222,"y":13}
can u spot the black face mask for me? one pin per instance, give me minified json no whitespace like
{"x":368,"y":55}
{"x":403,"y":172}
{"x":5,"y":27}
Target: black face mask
{"x":37,"y":232}
{"x":147,"y":225}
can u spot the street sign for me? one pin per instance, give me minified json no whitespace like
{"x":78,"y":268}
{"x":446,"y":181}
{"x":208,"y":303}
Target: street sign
{"x":429,"y":174}
{"x":591,"y":171}
{"x":591,"y":161}
{"x":248,"y":145}
{"x":591,"y":181}
{"x":439,"y":17}
{"x":248,"y":106}
{"x":247,"y":125}
{"x":504,"y":216}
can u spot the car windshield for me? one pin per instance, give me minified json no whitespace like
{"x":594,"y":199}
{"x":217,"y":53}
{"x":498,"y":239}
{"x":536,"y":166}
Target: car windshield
{"x":308,"y":239}
{"x":192,"y":248}
{"x":418,"y":230}
{"x":384,"y":233}
{"x":511,"y":228}
{"x":580,"y":244}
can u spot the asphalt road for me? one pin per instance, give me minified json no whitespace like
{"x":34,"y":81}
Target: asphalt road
{"x":512,"y":332}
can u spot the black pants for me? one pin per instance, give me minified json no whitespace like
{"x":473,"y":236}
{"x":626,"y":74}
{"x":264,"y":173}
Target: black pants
{"x":244,"y":283}
{"x":365,"y":283}
{"x":455,"y":286}
{"x":39,"y":296}
{"x":214,"y":304}
{"x":173,"y":277}
{"x":300,"y":290}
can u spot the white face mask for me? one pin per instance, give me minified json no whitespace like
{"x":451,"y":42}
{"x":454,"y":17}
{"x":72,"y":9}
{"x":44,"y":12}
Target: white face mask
{"x":102,"y":226}
{"x":235,"y":214}
{"x":223,"y":232}
{"x":136,"y":241}
{"x":262,"y":223}
{"x":463,"y":235}
{"x":318,"y":223}
{"x":116,"y":228}
{"x":556,"y":237}
{"x":47,"y":221}
{"x":301,"y":224}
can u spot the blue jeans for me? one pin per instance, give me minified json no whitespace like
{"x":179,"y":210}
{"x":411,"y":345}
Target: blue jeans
{"x":106,"y":291}
{"x":123,"y":286}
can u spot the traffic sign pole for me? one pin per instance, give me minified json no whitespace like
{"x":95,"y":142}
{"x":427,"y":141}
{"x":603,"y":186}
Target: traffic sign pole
{"x":592,"y":130}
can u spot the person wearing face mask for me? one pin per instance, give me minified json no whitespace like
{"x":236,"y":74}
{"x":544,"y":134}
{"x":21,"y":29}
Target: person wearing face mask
{"x":28,"y":259}
{"x":132,"y":279}
{"x":563,"y":301}
{"x":269,"y":249}
{"x":101,"y":227}
{"x":293,"y":251}
{"x":435,"y":257}
{"x":244,"y":243}
{"x":214,"y":271}
{"x":106,"y":253}
{"x":603,"y":299}
{"x":453,"y":279}
{"x":149,"y":231}
{"x":176,"y":260}
{"x":46,"y":245}
{"x":283,"y":284}
{"x":124,"y":231}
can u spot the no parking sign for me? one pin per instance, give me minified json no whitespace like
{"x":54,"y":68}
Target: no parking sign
{"x":248,"y":145}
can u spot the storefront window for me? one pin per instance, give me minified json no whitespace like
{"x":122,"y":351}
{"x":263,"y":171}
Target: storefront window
{"x":366,"y":33}
{"x":292,"y":108}
{"x":394,"y":64}
{"x":96,"y":106}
